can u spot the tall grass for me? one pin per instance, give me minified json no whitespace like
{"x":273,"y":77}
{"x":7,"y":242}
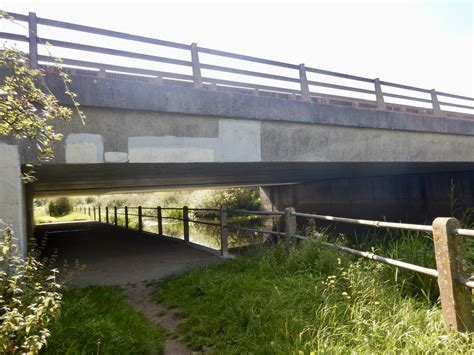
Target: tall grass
{"x":310,"y":299}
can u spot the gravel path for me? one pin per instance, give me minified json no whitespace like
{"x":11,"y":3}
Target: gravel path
{"x":114,"y":256}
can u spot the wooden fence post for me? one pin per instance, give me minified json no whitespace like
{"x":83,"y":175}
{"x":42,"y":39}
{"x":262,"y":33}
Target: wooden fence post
{"x":115,"y":215}
{"x":100,"y":215}
{"x":140,"y":221}
{"x":95,"y":216}
{"x":33,"y":39}
{"x":435,"y":103}
{"x":89,"y":211}
{"x":196,"y":66}
{"x":305,"y":96}
{"x":186,"y":223}
{"x":379,"y":95}
{"x":290,"y":225}
{"x":126,"y":217}
{"x":224,"y":234}
{"x":450,"y":263}
{"x":159,"y":216}
{"x":106,"y":214}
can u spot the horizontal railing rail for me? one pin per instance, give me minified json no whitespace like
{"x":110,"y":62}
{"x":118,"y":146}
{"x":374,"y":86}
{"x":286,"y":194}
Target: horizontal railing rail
{"x":447,"y":234}
{"x":303,"y":89}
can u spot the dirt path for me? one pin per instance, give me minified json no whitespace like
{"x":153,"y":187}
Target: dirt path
{"x":114,"y":256}
{"x":138,"y":295}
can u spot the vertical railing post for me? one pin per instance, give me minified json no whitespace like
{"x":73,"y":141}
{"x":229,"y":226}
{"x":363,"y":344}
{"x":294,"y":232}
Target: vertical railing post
{"x":224,"y":233}
{"x":304,"y":84}
{"x":100,"y":214}
{"x":379,"y":95}
{"x":159,"y":216}
{"x":126,"y":217}
{"x":95,"y":216}
{"x":435,"y":103}
{"x":33,"y":39}
{"x":89,"y":211}
{"x":140,"y":221}
{"x":196,"y":66}
{"x":115,"y":215}
{"x":290,"y":225}
{"x":455,"y":298}
{"x":186,"y":223}
{"x":107,"y":214}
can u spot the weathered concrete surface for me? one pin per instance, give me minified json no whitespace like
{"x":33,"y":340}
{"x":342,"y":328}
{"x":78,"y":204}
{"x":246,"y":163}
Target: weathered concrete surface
{"x":82,"y":148}
{"x":176,"y":138}
{"x":139,"y":95}
{"x":287,"y":142}
{"x":416,"y":198}
{"x":12,"y":194}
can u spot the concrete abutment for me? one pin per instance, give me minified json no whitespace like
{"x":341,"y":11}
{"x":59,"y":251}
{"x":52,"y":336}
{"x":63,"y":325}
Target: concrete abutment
{"x":416,"y":198}
{"x":14,"y":198}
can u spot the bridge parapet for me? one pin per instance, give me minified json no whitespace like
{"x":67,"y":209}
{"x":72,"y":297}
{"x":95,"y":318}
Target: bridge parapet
{"x":299,"y":85}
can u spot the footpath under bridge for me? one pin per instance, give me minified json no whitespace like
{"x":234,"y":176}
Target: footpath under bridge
{"x":454,"y":283}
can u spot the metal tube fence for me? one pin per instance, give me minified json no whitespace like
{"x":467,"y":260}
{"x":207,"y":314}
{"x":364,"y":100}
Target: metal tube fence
{"x":447,"y":234}
{"x":378,"y":90}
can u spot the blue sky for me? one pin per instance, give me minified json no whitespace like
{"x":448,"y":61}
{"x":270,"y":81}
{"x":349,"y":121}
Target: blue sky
{"x":422,"y":43}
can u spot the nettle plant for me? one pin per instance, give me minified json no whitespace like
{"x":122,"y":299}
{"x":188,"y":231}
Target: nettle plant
{"x":29,"y":299}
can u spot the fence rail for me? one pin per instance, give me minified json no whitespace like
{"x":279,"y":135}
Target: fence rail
{"x":454,"y":285}
{"x":305,"y":90}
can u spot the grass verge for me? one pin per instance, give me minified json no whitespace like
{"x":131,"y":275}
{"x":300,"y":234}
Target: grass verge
{"x":98,"y":320}
{"x":74,"y":216}
{"x":311,"y":299}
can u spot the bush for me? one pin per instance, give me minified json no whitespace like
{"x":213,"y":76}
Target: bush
{"x":90,"y":200}
{"x":29,"y":300}
{"x":60,"y":207}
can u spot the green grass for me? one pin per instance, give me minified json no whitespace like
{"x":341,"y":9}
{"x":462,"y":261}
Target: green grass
{"x":74,"y":216}
{"x":98,"y":320}
{"x":311,"y":299}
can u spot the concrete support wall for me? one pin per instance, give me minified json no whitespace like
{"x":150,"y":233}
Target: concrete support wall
{"x":12,"y":194}
{"x":412,"y":198}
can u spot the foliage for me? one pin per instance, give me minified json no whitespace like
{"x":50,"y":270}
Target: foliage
{"x":29,"y":299}
{"x":90,"y":200}
{"x":26,"y":110}
{"x":309,"y":300}
{"x":59,"y":207}
{"x":74,"y":216}
{"x":98,"y":320}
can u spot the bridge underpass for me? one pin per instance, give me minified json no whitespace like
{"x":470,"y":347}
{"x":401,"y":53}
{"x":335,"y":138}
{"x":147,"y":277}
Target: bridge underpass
{"x":361,"y":148}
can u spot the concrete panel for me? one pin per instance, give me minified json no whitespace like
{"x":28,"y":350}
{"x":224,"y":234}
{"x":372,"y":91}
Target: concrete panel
{"x":285,"y":142}
{"x":171,"y":149}
{"x":240,"y":140}
{"x":84,"y":148}
{"x":12,"y":194}
{"x":116,"y":157}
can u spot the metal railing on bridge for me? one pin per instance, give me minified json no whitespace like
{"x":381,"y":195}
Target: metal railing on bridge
{"x":454,"y":285}
{"x":436,"y":102}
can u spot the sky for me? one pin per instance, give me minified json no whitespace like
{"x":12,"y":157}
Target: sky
{"x":428,"y":44}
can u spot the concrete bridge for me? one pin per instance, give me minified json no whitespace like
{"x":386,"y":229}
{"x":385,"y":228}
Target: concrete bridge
{"x":361,"y":152}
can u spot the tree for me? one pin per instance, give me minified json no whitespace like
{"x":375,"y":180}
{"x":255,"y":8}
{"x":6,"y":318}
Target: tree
{"x":26,"y":110}
{"x":29,"y":293}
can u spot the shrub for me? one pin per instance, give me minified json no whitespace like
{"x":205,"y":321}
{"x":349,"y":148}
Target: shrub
{"x":29,"y":300}
{"x":90,"y":200}
{"x":59,"y":207}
